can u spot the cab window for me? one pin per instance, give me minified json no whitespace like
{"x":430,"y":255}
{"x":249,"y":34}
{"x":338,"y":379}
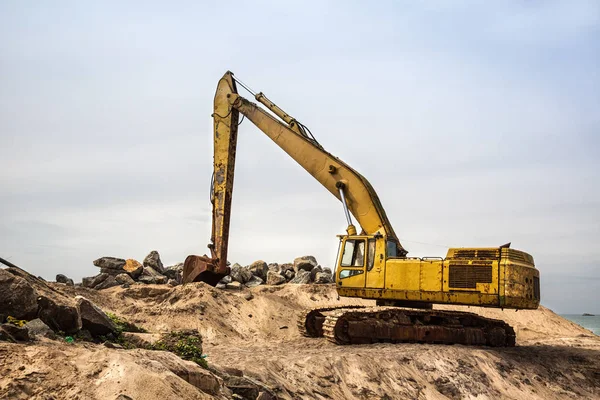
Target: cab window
{"x":371,"y":254}
{"x":392,"y":249}
{"x":354,"y":253}
{"x":346,"y":273}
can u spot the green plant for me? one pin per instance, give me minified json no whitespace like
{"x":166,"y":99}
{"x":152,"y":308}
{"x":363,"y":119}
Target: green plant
{"x":185,"y":344}
{"x":124,"y":326}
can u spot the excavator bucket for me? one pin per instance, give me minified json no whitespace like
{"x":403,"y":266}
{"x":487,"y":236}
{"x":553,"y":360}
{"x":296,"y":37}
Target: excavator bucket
{"x":203,"y":269}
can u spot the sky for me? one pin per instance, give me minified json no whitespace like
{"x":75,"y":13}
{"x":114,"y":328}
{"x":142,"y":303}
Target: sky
{"x":477,"y":123}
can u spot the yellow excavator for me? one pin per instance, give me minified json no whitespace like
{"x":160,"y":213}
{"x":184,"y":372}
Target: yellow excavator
{"x":371,"y":264}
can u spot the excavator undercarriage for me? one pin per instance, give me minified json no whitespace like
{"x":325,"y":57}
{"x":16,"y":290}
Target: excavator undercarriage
{"x":362,"y":325}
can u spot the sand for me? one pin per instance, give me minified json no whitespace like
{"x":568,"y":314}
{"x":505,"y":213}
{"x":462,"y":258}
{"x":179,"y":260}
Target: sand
{"x":554,"y":357}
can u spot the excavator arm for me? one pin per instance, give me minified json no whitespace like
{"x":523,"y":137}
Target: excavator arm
{"x":345,"y":183}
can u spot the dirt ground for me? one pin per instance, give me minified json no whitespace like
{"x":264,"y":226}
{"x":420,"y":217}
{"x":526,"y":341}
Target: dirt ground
{"x":554,"y":358}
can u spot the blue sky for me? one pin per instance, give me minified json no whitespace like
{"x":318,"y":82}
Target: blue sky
{"x":477,"y":124}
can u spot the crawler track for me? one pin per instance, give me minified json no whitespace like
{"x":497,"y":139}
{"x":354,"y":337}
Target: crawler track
{"x":359,"y":325}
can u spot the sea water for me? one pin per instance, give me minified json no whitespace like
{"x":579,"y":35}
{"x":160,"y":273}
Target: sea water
{"x":588,"y":322}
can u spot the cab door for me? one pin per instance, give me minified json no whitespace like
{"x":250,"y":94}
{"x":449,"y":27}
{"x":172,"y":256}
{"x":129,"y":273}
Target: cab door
{"x":375,"y":263}
{"x":351,"y":271}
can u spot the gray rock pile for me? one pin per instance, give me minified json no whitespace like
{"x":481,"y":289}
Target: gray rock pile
{"x":304,"y":270}
{"x":118,"y":271}
{"x":30,"y":308}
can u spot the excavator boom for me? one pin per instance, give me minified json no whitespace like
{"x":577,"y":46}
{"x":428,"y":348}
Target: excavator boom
{"x":335,"y":175}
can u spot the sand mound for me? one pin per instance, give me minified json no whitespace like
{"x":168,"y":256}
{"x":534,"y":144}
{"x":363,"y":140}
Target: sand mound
{"x":255,"y":331}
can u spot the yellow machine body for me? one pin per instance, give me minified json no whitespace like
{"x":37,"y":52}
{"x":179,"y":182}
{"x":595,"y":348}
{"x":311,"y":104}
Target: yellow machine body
{"x":489,"y":277}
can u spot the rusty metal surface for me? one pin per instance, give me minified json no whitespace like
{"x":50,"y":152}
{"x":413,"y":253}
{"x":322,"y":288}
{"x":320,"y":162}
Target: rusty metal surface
{"x":361,"y":326}
{"x":203,"y":269}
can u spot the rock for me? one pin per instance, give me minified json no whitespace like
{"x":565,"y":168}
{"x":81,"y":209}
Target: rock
{"x":152,"y":260}
{"x":302,"y":277}
{"x":221,"y":286}
{"x":124,"y":279}
{"x":60,"y":278}
{"x":248,"y":296}
{"x":234,"y":286}
{"x":133,"y":267}
{"x":59,"y":317}
{"x":17,"y":297}
{"x":286,"y":267}
{"x":172,"y":282}
{"x":161,"y":280}
{"x":98,"y":279}
{"x":175,"y":272}
{"x":273,"y":278}
{"x":289,"y":274}
{"x":314,"y":272}
{"x":274,"y":267}
{"x":94,"y":319}
{"x":87,"y":281}
{"x":259,"y":268}
{"x":240,"y":274}
{"x":323,"y":277}
{"x":328,"y":270}
{"x":37,"y":327}
{"x":254,"y":281}
{"x":305,"y":263}
{"x":226,"y":279}
{"x":109,"y":282}
{"x":18,"y":333}
{"x":110,"y":263}
{"x":148,"y":280}
{"x":5,"y":336}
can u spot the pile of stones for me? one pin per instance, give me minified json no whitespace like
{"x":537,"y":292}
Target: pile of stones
{"x":119,"y":271}
{"x":127,"y":272}
{"x":303,"y":270}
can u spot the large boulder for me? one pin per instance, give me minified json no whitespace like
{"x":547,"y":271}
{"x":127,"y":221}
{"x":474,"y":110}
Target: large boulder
{"x":152,"y":276}
{"x":314,"y":272}
{"x":14,"y":332}
{"x":152,"y":260}
{"x":60,"y":278}
{"x":133,"y":267}
{"x":274,"y":267}
{"x":240,"y":274}
{"x":110,"y":265}
{"x":302,"y":277}
{"x":175,"y":272}
{"x":305,"y":263}
{"x":289,"y":274}
{"x":93,"y":319}
{"x":283,"y":268}
{"x":59,"y":317}
{"x":254,"y":281}
{"x":17,"y":297}
{"x":37,"y":327}
{"x":124,"y":279}
{"x":323,"y":277}
{"x":259,"y":268}
{"x":109,"y":282}
{"x":94,"y":281}
{"x":273,"y":278}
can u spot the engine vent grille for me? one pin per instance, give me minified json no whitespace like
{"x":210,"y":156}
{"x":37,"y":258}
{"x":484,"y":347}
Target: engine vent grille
{"x":536,"y":288}
{"x":477,"y":253}
{"x":468,"y":276}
